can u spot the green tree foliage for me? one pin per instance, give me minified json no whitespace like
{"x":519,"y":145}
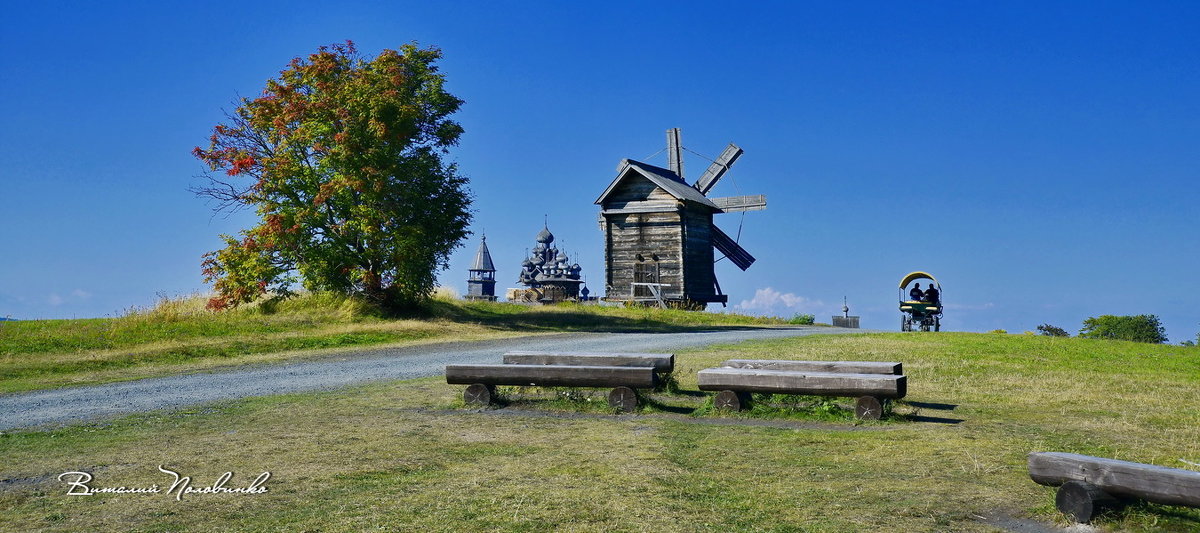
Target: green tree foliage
{"x":1052,"y":331}
{"x":341,"y":157}
{"x":1140,"y":328}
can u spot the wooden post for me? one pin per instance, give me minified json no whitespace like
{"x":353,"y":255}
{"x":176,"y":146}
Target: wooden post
{"x":479,"y":394}
{"x":868,"y":408}
{"x":1083,"y":501}
{"x":623,"y":399}
{"x":732,"y":400}
{"x":675,"y":152}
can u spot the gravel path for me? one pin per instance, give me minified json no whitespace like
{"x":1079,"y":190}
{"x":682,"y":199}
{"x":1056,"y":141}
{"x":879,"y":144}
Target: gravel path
{"x":80,"y":404}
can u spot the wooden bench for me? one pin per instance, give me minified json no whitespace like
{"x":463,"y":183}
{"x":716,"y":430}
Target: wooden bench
{"x":841,"y":367}
{"x":734,"y":383}
{"x":663,"y":363}
{"x":624,"y":372}
{"x":1091,"y":485}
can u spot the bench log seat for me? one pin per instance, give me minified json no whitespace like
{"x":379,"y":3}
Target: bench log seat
{"x":483,"y":379}
{"x":841,"y":367}
{"x":734,"y":385}
{"x":662,"y":363}
{"x":1090,"y":485}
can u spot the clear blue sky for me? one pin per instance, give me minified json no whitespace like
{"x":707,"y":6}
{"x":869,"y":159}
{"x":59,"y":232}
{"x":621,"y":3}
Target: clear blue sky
{"x":1040,"y":158}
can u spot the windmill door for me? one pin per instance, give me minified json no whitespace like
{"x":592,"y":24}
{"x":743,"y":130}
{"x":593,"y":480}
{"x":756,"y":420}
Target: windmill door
{"x":644,"y":272}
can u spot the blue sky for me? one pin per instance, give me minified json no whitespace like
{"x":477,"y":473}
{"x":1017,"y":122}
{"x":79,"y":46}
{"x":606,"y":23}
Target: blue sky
{"x":1040,"y":158}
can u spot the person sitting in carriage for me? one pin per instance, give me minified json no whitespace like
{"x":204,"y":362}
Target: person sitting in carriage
{"x":931,"y":295}
{"x":916,"y":295}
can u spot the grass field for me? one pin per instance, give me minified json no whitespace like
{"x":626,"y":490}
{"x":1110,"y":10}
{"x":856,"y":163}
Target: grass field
{"x":407,"y":456}
{"x":178,"y":335}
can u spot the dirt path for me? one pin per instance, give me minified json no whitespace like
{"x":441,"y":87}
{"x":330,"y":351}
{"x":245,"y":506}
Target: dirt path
{"x":79,"y":404}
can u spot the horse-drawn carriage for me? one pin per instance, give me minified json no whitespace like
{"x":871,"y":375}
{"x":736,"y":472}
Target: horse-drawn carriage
{"x":922,"y":309}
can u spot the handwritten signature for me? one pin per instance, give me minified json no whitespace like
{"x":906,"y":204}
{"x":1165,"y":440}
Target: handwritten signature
{"x":79,"y":484}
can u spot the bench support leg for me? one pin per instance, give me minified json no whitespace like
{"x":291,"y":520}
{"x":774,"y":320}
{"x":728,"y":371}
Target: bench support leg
{"x":1082,"y":501}
{"x":479,"y":394}
{"x":623,"y":399}
{"x":868,"y":408}
{"x":732,"y":400}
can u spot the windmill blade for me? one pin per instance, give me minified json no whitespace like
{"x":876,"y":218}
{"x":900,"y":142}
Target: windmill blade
{"x":733,"y":204}
{"x":734,"y":251}
{"x":719,"y":167}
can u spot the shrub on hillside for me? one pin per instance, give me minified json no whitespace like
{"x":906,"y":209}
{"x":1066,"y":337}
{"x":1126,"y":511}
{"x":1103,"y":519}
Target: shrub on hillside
{"x":805,"y":319}
{"x":1052,"y":331}
{"x":1139,"y":328}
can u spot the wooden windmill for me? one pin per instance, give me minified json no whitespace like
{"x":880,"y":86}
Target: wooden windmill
{"x":659,"y":233}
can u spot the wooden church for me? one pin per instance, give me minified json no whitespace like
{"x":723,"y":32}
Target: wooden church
{"x":659,"y":236}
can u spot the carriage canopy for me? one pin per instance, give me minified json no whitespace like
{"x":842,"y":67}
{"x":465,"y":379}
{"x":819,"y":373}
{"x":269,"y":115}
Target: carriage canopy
{"x":913,"y":276}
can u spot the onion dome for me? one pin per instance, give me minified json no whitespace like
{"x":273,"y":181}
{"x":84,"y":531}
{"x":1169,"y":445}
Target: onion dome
{"x":544,"y":236}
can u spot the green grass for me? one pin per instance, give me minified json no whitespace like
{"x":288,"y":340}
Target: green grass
{"x":179,"y":335}
{"x":401,"y":457}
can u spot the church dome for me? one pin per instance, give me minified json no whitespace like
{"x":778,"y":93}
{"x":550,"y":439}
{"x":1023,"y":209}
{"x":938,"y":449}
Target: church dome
{"x":544,"y":236}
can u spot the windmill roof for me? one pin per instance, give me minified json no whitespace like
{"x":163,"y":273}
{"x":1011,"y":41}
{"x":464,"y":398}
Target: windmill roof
{"x":667,"y":180}
{"x":483,"y":258}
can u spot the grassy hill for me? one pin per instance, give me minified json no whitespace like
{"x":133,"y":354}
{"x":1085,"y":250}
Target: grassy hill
{"x":406,"y":455}
{"x":179,"y":335}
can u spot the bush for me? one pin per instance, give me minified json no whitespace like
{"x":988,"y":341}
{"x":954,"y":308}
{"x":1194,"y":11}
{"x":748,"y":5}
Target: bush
{"x":1052,"y":331}
{"x":1139,"y":328}
{"x":803,"y":319}
{"x":999,"y":331}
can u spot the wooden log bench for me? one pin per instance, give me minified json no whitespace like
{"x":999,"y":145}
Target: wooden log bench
{"x":735,"y":384}
{"x":481,"y":380}
{"x":841,"y":367}
{"x":1088,"y":486}
{"x":663,"y":363}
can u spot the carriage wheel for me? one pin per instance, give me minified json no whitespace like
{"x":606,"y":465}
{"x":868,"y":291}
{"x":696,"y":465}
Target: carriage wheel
{"x":623,"y":399}
{"x":733,"y":401}
{"x":937,"y":324}
{"x":479,"y":394}
{"x":905,"y":324}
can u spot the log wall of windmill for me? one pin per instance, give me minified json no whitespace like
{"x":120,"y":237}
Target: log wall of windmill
{"x":698,"y":255}
{"x":649,"y":235}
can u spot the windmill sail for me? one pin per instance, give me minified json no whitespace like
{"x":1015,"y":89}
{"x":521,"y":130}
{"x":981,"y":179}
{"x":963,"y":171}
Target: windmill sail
{"x":718,"y":168}
{"x":734,"y":251}
{"x":733,"y":204}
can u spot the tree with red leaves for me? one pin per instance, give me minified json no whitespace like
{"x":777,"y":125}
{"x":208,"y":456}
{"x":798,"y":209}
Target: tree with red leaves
{"x":341,"y":157}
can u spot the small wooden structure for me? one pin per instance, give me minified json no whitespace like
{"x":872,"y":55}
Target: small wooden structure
{"x":659,"y":234}
{"x":481,"y":282}
{"x":1090,"y":485}
{"x":871,"y":382}
{"x":624,"y":372}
